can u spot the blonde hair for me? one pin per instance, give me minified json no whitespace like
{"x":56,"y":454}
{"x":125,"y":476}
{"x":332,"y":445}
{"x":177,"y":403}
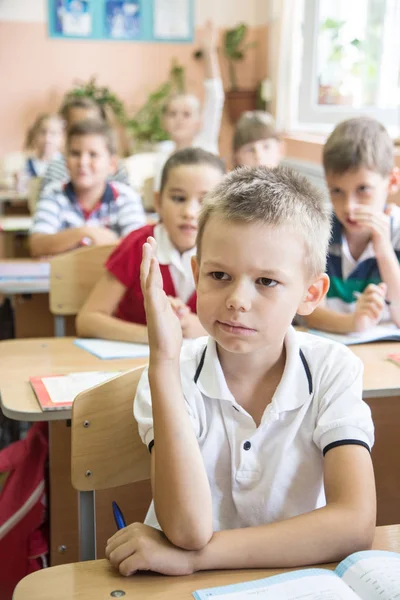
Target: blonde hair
{"x":276,"y":197}
{"x":37,"y":124}
{"x":252,"y":126}
{"x":359,"y":142}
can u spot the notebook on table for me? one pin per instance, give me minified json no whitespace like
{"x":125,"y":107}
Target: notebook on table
{"x":107,"y":349}
{"x":55,"y":392}
{"x":370,"y":575}
{"x":381,"y":333}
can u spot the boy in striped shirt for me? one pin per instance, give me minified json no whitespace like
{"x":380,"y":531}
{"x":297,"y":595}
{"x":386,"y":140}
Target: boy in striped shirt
{"x":364,"y":252}
{"x":88,"y":209}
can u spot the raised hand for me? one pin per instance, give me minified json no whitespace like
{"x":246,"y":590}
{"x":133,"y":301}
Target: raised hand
{"x":163,"y":325}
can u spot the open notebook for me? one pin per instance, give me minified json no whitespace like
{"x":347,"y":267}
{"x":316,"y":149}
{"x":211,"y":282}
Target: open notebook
{"x":55,"y":392}
{"x":381,"y":333}
{"x":371,"y":575}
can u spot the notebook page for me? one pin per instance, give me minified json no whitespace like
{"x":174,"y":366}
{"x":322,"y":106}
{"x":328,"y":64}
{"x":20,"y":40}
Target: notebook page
{"x":375,"y":333}
{"x":106,"y":349}
{"x":373,"y":575}
{"x":295,"y":585}
{"x":65,"y":388}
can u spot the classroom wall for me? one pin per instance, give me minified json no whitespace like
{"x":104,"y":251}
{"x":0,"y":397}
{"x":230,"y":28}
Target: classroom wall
{"x":36,"y":70}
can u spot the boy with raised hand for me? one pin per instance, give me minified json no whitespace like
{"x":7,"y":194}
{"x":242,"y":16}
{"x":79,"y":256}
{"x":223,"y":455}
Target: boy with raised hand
{"x":259,"y":438}
{"x":364,"y":252}
{"x":88,"y":210}
{"x":184,"y":121}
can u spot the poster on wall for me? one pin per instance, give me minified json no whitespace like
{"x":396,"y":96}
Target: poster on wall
{"x":122,"y":19}
{"x":73,"y":18}
{"x":171,"y":19}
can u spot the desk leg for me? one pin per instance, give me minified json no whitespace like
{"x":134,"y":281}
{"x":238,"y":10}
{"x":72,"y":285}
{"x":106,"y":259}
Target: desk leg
{"x":64,"y":543}
{"x":386,"y":457}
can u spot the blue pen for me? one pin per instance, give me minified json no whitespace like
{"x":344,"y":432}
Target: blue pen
{"x":118,"y":516}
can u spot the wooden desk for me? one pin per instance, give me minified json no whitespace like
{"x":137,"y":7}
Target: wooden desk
{"x":381,"y":391}
{"x":22,"y":359}
{"x":96,"y":579}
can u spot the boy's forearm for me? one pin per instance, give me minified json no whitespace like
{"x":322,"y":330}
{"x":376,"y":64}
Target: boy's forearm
{"x":42,"y":244}
{"x":322,"y":536}
{"x":100,"y":325}
{"x":389,"y":270}
{"x":330,"y":320}
{"x":181,"y":491}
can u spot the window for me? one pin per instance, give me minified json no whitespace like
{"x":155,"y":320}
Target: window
{"x":350,"y":62}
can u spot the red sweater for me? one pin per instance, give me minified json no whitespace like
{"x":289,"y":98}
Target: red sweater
{"x":124,"y":264}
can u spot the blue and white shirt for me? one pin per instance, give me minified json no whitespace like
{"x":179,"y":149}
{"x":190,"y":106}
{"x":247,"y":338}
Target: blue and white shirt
{"x":120,"y":209}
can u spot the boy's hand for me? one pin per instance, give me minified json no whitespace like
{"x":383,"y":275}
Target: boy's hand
{"x":208,"y":40}
{"x":164,"y":329}
{"x":378,"y":224}
{"x":139,"y":547}
{"x":100,"y":236}
{"x":369,"y":307}
{"x":178,"y":306}
{"x":191,"y":326}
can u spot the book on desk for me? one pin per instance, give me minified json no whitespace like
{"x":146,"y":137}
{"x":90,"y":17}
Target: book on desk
{"x":370,"y":575}
{"x":384,"y":332}
{"x":56,"y":392}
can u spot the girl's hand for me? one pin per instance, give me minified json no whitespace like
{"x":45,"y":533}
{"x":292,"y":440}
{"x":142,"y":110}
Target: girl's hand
{"x":139,"y":547}
{"x":164,"y":328}
{"x":208,"y":41}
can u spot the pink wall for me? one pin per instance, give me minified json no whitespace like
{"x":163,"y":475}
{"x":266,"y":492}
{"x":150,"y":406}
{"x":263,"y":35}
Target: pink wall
{"x":36,"y":71}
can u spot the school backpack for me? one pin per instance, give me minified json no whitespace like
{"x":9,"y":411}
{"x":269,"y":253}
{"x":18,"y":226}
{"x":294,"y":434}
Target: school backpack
{"x":23,"y":508}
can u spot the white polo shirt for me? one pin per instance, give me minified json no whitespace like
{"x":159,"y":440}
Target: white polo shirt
{"x":263,"y":474}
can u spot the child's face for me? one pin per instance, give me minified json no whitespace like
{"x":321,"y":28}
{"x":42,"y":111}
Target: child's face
{"x":180,"y":202}
{"x":250,"y":283}
{"x":262,"y":153}
{"x":89,"y":161}
{"x":49,"y":138}
{"x":181,"y":120}
{"x":356,"y":189}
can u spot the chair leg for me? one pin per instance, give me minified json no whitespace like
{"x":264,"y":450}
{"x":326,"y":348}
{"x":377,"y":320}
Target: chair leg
{"x":59,"y":326}
{"x":87,"y":525}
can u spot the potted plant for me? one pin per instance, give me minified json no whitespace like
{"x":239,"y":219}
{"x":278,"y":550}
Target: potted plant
{"x":235,"y":48}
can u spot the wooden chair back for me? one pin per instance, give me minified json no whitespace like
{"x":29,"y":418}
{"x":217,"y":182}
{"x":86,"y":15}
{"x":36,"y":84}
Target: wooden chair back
{"x":73,"y":275}
{"x":106,"y":448}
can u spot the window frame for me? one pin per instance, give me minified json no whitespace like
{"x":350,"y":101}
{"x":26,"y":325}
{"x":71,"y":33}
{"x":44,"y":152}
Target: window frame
{"x":312,"y":116}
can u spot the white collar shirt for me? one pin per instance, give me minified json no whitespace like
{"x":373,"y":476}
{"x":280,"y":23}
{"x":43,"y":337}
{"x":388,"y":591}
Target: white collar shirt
{"x":272,"y":472}
{"x":180,"y":265}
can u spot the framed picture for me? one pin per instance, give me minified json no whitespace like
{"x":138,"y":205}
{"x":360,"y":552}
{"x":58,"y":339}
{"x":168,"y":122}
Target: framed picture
{"x":73,"y":18}
{"x":122,"y":19}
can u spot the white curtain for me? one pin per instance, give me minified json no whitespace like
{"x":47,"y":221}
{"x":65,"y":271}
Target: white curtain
{"x":284,"y":50}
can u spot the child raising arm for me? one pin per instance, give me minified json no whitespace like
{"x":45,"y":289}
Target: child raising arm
{"x":259,"y":437}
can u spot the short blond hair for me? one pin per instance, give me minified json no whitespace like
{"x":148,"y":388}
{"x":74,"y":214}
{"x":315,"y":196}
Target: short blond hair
{"x":356,"y":143}
{"x":252,"y":126}
{"x":276,"y":197}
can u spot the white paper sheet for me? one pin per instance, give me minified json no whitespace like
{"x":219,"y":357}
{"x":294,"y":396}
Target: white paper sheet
{"x":107,"y":349}
{"x":377,"y":333}
{"x":65,"y":388}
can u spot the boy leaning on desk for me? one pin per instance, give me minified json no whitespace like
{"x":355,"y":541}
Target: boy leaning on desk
{"x":259,"y":438}
{"x":364,"y":253}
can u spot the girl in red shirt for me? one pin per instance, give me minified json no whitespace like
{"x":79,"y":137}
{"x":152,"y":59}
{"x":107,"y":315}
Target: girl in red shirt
{"x":115,"y":308}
